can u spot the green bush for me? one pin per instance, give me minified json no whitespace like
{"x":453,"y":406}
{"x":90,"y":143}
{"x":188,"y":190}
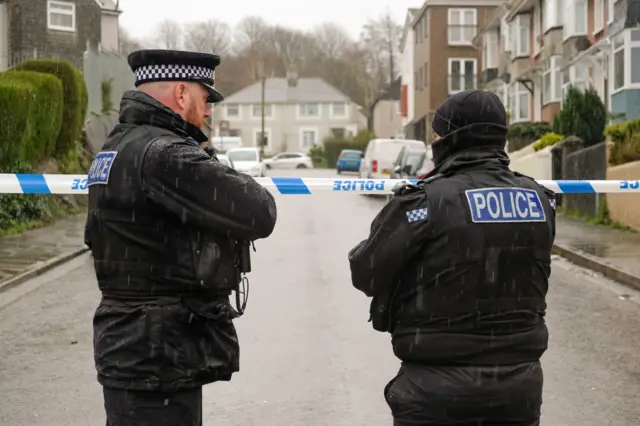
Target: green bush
{"x":626,"y":142}
{"x":106,"y":89}
{"x":521,"y":135}
{"x":74,"y":94}
{"x":20,"y":209}
{"x":583,"y":115}
{"x":44,"y":117}
{"x":14,"y":112}
{"x":548,"y":139}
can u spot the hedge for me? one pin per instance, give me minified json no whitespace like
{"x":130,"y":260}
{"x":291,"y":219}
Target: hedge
{"x":14,"y":111}
{"x":75,"y":96}
{"x":626,"y":142}
{"x":548,"y":139}
{"x":44,"y":117}
{"x":521,"y":135}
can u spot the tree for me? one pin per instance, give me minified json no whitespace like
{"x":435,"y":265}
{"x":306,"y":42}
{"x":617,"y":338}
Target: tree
{"x":212,"y":36}
{"x":127,"y":43}
{"x":169,"y":35}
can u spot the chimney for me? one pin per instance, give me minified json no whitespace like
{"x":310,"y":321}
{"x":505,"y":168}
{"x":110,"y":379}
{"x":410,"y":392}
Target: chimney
{"x":292,"y":78}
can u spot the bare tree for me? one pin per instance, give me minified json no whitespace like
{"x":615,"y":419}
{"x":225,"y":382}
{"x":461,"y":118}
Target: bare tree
{"x":169,"y":34}
{"x":127,"y":43}
{"x":212,"y":36}
{"x":332,"y":40}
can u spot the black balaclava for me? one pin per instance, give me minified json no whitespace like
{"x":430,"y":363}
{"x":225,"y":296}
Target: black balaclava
{"x":470,"y":119}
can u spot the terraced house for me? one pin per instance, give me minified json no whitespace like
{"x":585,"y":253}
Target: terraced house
{"x":445,"y":61}
{"x":532,"y":50}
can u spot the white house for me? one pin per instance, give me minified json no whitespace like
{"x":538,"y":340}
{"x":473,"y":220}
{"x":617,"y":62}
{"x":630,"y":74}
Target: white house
{"x":406,"y":72}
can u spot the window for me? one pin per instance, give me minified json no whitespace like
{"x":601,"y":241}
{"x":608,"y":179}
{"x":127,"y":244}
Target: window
{"x":61,"y":16}
{"x":552,"y":80}
{"x":256,"y":111}
{"x":519,"y":103}
{"x":339,"y":109}
{"x":610,"y":11}
{"x":308,"y":110}
{"x":257,"y":137}
{"x":537,"y":16}
{"x":232,"y":110}
{"x":520,"y":29}
{"x":626,"y":60}
{"x":576,"y":76}
{"x":308,"y":138}
{"x":425,"y":76}
{"x":424,"y":26}
{"x":462,"y":75}
{"x":552,"y":14}
{"x":490,"y":50}
{"x":598,"y":16}
{"x":338,"y":132}
{"x":462,"y":26}
{"x":505,"y":33}
{"x":576,"y":22}
{"x":502,"y":93}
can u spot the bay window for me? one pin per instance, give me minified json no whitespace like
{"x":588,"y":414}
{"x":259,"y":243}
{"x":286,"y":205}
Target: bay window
{"x":553,"y":14}
{"x":519,"y":103}
{"x":552,"y":80}
{"x":520,"y":29}
{"x":576,"y":22}
{"x":490,"y":50}
{"x":626,"y":60}
{"x":576,"y":76}
{"x":462,"y":74}
{"x":537,"y":16}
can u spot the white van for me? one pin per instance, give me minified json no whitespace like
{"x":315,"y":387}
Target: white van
{"x":247,"y":160}
{"x":380,"y":155}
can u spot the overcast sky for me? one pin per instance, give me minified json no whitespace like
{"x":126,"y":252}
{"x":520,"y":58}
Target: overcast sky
{"x":141,"y":16}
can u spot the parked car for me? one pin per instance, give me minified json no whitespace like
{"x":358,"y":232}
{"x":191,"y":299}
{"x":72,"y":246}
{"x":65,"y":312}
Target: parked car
{"x":380,"y":155}
{"x":349,"y":160}
{"x":289,"y":160}
{"x":224,"y":159}
{"x":247,"y":160}
{"x":427,"y":165}
{"x":408,"y":162}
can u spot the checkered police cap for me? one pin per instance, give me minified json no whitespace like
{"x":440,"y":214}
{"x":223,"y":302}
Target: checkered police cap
{"x":175,"y":65}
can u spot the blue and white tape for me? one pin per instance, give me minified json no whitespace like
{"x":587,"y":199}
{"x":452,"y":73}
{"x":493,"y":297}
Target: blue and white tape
{"x":77,"y":184}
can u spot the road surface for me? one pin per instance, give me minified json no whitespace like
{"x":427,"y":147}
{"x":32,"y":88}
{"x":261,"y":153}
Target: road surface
{"x":308,"y":356}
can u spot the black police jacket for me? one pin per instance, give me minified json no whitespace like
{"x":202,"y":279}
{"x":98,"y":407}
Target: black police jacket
{"x":458,"y":266}
{"x":163,"y":223}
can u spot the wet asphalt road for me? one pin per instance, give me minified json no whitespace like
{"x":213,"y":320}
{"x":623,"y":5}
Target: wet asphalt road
{"x":308,"y":355}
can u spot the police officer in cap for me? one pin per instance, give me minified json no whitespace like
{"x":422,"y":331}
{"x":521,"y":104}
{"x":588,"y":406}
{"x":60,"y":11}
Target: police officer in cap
{"x":458,"y":267}
{"x":169,"y":228}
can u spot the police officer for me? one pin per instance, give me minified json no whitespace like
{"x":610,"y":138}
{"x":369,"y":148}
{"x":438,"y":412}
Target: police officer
{"x":169,"y":227}
{"x":458,"y":267}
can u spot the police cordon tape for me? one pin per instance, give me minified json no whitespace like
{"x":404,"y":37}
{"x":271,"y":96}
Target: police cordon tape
{"x":77,"y":184}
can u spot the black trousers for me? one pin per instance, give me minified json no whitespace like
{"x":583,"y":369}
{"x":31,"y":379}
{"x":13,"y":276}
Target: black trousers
{"x":466,"y":396}
{"x":148,"y":408}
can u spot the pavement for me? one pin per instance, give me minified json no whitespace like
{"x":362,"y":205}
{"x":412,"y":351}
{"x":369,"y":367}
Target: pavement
{"x":309,"y":357}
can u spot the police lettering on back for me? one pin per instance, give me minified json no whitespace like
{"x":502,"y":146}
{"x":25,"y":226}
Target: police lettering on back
{"x":489,"y":205}
{"x":101,"y":168}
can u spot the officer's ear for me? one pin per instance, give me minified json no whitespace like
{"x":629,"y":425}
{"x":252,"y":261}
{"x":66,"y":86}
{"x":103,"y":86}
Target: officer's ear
{"x":181,"y":94}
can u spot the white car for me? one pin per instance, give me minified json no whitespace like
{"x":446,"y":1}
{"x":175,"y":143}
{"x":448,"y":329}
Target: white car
{"x":289,"y":160}
{"x":225,"y":160}
{"x":248,"y":161}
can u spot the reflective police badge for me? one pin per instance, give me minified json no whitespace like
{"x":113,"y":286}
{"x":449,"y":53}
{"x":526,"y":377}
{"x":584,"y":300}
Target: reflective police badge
{"x":506,"y":205}
{"x":416,"y":215}
{"x":101,"y":168}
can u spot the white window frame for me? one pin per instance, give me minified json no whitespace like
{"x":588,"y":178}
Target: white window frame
{"x":332,"y":110}
{"x":490,"y":50}
{"x":72,"y":13}
{"x":578,"y":77}
{"x":462,"y":76}
{"x":553,"y":71}
{"x":573,"y":26}
{"x":598,"y":15}
{"x":267,"y":131}
{"x":520,"y":27}
{"x":308,"y":117}
{"x":505,"y":36}
{"x":553,"y":14}
{"x":537,"y":28}
{"x":625,"y":45}
{"x":269,"y":112}
{"x":610,"y":10}
{"x":519,"y":95}
{"x":232,"y":117}
{"x":462,"y":12}
{"x":302,"y":131}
